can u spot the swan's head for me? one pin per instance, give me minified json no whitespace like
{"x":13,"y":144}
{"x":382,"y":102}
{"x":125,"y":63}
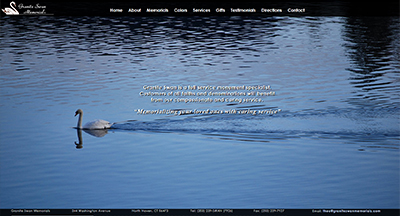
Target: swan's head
{"x":79,"y":111}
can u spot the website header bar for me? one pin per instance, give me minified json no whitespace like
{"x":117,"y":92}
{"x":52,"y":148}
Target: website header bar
{"x":150,"y":8}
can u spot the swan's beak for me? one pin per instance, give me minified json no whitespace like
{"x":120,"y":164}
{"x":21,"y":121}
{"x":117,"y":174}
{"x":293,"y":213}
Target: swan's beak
{"x":76,"y":113}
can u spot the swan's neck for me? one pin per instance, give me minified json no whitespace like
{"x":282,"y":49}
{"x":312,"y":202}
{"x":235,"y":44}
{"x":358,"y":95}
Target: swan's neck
{"x":80,"y":121}
{"x":11,"y":4}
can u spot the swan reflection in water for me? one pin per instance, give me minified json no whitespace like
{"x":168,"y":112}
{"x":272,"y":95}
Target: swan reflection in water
{"x":96,"y":133}
{"x":79,"y":145}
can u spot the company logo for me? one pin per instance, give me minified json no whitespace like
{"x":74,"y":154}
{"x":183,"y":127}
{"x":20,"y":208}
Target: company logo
{"x":12,"y":10}
{"x":32,"y":9}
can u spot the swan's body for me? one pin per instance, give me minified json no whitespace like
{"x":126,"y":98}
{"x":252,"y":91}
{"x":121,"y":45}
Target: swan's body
{"x":12,"y":10}
{"x":93,"y":125}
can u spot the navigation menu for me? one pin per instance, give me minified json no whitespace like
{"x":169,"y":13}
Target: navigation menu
{"x":201,"y":11}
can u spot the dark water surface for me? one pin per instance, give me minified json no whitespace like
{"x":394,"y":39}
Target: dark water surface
{"x":335,"y":142}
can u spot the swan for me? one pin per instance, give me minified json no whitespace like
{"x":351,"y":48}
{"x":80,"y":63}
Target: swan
{"x":96,"y":124}
{"x":11,"y":11}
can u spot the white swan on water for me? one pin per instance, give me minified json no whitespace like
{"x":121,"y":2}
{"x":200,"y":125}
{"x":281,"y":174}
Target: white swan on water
{"x":12,"y":10}
{"x":96,"y":124}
